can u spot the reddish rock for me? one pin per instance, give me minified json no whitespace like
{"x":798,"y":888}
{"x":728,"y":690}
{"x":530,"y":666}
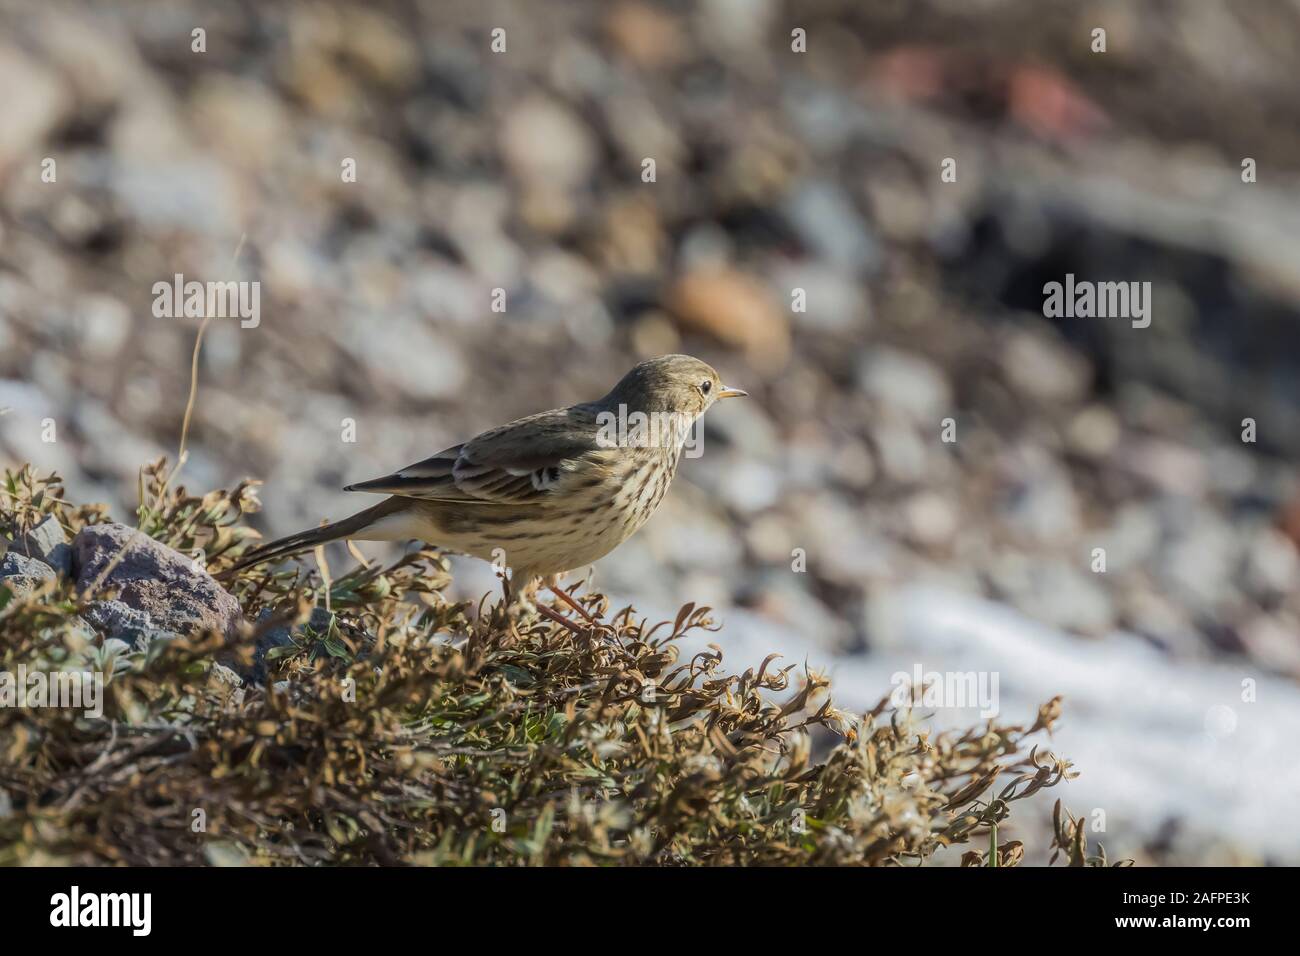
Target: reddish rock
{"x":735,"y":309}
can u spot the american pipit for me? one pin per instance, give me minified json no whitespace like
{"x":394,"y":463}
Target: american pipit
{"x":549,"y":493}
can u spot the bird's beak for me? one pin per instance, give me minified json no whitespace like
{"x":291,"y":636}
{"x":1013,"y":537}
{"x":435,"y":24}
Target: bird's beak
{"x":725,"y":392}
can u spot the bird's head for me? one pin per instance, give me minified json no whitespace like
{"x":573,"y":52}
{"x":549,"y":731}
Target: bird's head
{"x":671,"y":383}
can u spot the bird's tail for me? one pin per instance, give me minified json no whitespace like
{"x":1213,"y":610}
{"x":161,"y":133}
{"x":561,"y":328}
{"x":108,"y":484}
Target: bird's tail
{"x":352,"y":527}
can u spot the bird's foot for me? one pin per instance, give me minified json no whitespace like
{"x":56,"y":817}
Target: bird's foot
{"x":594,"y":625}
{"x":573,"y":602}
{"x":563,"y":621}
{"x":523,"y":607}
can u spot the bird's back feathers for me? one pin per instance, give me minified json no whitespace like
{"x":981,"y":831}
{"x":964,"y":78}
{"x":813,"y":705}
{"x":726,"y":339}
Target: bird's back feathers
{"x":528,"y":460}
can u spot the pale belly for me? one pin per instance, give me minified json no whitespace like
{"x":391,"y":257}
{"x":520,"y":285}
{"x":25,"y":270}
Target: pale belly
{"x":535,"y":541}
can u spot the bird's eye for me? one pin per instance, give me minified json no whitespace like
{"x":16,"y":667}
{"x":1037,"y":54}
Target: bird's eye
{"x":705,"y":386}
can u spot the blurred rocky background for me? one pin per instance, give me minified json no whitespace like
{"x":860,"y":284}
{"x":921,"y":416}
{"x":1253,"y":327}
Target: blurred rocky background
{"x":775,"y":170}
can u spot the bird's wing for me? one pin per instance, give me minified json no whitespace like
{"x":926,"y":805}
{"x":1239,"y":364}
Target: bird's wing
{"x":529,"y":460}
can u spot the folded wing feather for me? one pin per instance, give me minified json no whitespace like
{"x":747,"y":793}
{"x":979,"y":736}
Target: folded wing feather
{"x":525,"y":461}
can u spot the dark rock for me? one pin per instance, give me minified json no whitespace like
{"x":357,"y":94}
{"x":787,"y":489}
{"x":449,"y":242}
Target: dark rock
{"x":22,"y":575}
{"x":116,"y":619}
{"x":48,"y":542}
{"x":154,"y":579}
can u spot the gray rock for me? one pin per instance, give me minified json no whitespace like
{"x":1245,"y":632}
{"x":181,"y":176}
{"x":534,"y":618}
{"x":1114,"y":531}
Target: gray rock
{"x":1042,"y":367}
{"x":412,"y":359}
{"x":826,"y":219}
{"x":1272,"y":565}
{"x":44,"y":103}
{"x":116,"y":619}
{"x":226,"y":676}
{"x":152,"y":578}
{"x":908,"y":382}
{"x":48,"y":542}
{"x":1064,"y":596}
{"x":836,"y":301}
{"x":222,"y":678}
{"x":1040,"y":501}
{"x":1197,"y":563}
{"x":931,"y":519}
{"x":904,"y":456}
{"x":1271,"y":641}
{"x":752,"y":486}
{"x":544,"y":142}
{"x":835,"y":549}
{"x":784,"y":596}
{"x":23,"y":575}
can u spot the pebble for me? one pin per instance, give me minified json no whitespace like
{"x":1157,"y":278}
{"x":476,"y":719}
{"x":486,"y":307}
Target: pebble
{"x":751,"y":486}
{"x":48,"y":543}
{"x":736,"y":310}
{"x":545,"y":144}
{"x":833,"y":302}
{"x":1272,"y":564}
{"x":23,"y":575}
{"x":827,"y":221}
{"x":43,"y":103}
{"x":1094,"y":432}
{"x":649,"y":36}
{"x":908,"y":383}
{"x":1061,"y":594}
{"x":931,"y":520}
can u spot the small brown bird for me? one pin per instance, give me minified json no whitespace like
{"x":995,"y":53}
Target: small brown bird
{"x":548,"y":493}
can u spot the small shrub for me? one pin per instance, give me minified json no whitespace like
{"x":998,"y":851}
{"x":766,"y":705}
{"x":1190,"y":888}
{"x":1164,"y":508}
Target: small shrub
{"x":411,"y":730}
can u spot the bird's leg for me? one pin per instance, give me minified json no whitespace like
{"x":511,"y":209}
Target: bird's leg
{"x":559,"y":618}
{"x":553,"y":582}
{"x":526,"y":599}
